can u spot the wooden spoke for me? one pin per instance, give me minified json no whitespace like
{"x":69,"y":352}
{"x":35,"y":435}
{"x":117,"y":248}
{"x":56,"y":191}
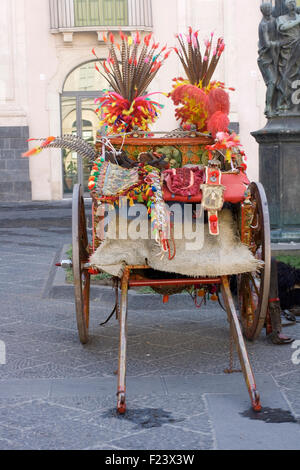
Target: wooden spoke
{"x":80,"y":257}
{"x":253,"y":288}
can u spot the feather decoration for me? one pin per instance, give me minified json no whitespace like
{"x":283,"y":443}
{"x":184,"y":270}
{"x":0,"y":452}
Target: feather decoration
{"x":198,"y":67}
{"x":70,"y":142}
{"x":192,"y":105}
{"x":131,"y":72}
{"x":190,"y":91}
{"x":218,"y":122}
{"x":129,"y":76}
{"x":198,"y":99}
{"x":218,"y":100}
{"x":228,"y":143}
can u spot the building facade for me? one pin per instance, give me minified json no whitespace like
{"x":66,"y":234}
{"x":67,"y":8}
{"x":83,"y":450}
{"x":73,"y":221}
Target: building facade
{"x":48,"y":82}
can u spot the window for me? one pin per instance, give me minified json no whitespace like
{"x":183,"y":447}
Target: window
{"x":101,"y":12}
{"x":78,"y":117}
{"x":85,"y":78}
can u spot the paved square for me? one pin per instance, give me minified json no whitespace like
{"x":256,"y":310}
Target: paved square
{"x":57,"y":394}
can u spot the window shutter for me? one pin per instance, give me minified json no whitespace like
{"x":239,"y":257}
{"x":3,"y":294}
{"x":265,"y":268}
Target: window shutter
{"x":87,"y":12}
{"x":108,"y":13}
{"x":121,"y":11}
{"x":94,"y":12}
{"x":81,"y":10}
{"x":115,"y":12}
{"x":101,"y":12}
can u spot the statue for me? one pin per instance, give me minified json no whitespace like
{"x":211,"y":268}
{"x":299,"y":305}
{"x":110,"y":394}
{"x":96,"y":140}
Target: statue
{"x":279,"y":140}
{"x":279,"y":55}
{"x":268,"y":54}
{"x":289,"y":59}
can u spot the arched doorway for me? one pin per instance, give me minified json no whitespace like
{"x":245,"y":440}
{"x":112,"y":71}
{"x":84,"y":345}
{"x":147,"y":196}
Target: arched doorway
{"x":78,"y":117}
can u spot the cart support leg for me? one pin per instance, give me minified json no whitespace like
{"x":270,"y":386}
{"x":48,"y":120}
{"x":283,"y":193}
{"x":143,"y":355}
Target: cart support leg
{"x":121,"y":406}
{"x":240,"y":345}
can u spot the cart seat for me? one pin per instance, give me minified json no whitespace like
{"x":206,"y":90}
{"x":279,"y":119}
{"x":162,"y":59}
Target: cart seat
{"x":235,"y":185}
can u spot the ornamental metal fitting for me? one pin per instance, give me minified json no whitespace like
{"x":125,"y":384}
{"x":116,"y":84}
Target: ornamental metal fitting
{"x":65,"y":264}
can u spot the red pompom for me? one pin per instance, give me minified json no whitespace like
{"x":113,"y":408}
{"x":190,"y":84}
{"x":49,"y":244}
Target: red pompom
{"x":218,"y":100}
{"x":213,"y":218}
{"x":218,"y":122}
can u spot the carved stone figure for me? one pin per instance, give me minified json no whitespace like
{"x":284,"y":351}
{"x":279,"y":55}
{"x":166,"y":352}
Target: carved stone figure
{"x":279,"y":140}
{"x":279,"y":56}
{"x":268,"y":54}
{"x":289,"y":58}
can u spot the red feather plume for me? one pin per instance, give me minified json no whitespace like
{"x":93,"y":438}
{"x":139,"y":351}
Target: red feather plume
{"x":218,"y":100}
{"x":218,"y":122}
{"x":189,"y":91}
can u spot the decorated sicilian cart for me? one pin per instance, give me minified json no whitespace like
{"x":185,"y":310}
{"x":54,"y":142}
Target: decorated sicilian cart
{"x":198,"y":170}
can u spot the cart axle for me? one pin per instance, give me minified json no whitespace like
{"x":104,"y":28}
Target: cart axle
{"x":68,"y":264}
{"x":65,"y":264}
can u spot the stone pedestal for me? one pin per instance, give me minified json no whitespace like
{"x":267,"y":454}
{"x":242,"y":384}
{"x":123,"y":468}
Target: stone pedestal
{"x":279,"y":169}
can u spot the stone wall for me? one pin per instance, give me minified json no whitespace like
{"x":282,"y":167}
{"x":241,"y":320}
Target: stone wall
{"x":15,"y":183}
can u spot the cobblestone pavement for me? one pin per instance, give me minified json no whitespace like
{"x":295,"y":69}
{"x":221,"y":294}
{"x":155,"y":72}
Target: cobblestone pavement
{"x":57,"y":394}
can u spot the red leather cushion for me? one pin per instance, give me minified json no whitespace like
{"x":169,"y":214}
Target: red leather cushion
{"x":235,"y":184}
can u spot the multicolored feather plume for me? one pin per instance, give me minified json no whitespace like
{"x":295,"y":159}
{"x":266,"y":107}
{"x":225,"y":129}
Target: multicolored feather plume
{"x":129,"y":69}
{"x":199,"y":100}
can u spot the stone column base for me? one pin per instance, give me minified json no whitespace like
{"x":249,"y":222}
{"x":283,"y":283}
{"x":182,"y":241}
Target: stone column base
{"x":279,"y":172}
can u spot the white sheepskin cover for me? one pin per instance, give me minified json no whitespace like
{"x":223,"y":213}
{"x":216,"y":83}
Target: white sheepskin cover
{"x":219,"y":255}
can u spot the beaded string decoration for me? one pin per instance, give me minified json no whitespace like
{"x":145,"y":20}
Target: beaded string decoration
{"x":139,"y":185}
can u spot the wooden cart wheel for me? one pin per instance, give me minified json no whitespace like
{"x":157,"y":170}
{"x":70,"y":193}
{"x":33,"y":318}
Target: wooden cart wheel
{"x":253,"y":288}
{"x":80,"y":257}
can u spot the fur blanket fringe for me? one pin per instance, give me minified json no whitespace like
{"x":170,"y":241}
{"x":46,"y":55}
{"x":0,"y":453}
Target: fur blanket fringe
{"x":215,"y":256}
